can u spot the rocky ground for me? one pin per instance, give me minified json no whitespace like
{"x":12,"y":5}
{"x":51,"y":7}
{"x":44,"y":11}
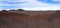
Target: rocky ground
{"x":29,"y":19}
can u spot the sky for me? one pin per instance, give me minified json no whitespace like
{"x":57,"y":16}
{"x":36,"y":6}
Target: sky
{"x":30,"y":4}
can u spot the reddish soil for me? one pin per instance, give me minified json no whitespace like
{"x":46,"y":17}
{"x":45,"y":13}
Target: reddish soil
{"x":30,"y":20}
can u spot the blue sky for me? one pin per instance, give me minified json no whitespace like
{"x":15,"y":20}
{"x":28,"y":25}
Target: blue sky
{"x":30,"y":4}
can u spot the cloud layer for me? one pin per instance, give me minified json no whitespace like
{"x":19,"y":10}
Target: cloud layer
{"x":30,"y":4}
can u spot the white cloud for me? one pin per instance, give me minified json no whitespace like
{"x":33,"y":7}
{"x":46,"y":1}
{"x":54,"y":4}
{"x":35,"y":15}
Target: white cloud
{"x":33,"y":5}
{"x":42,"y":8}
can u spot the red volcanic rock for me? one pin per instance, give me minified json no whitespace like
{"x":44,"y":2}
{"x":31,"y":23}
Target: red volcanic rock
{"x":24,"y":20}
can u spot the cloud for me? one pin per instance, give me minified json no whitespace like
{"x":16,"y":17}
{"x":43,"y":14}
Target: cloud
{"x":35,"y":5}
{"x":7,"y":2}
{"x":28,"y":4}
{"x":42,"y":8}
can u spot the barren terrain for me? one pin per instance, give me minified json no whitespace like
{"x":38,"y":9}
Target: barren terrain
{"x":30,"y":19}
